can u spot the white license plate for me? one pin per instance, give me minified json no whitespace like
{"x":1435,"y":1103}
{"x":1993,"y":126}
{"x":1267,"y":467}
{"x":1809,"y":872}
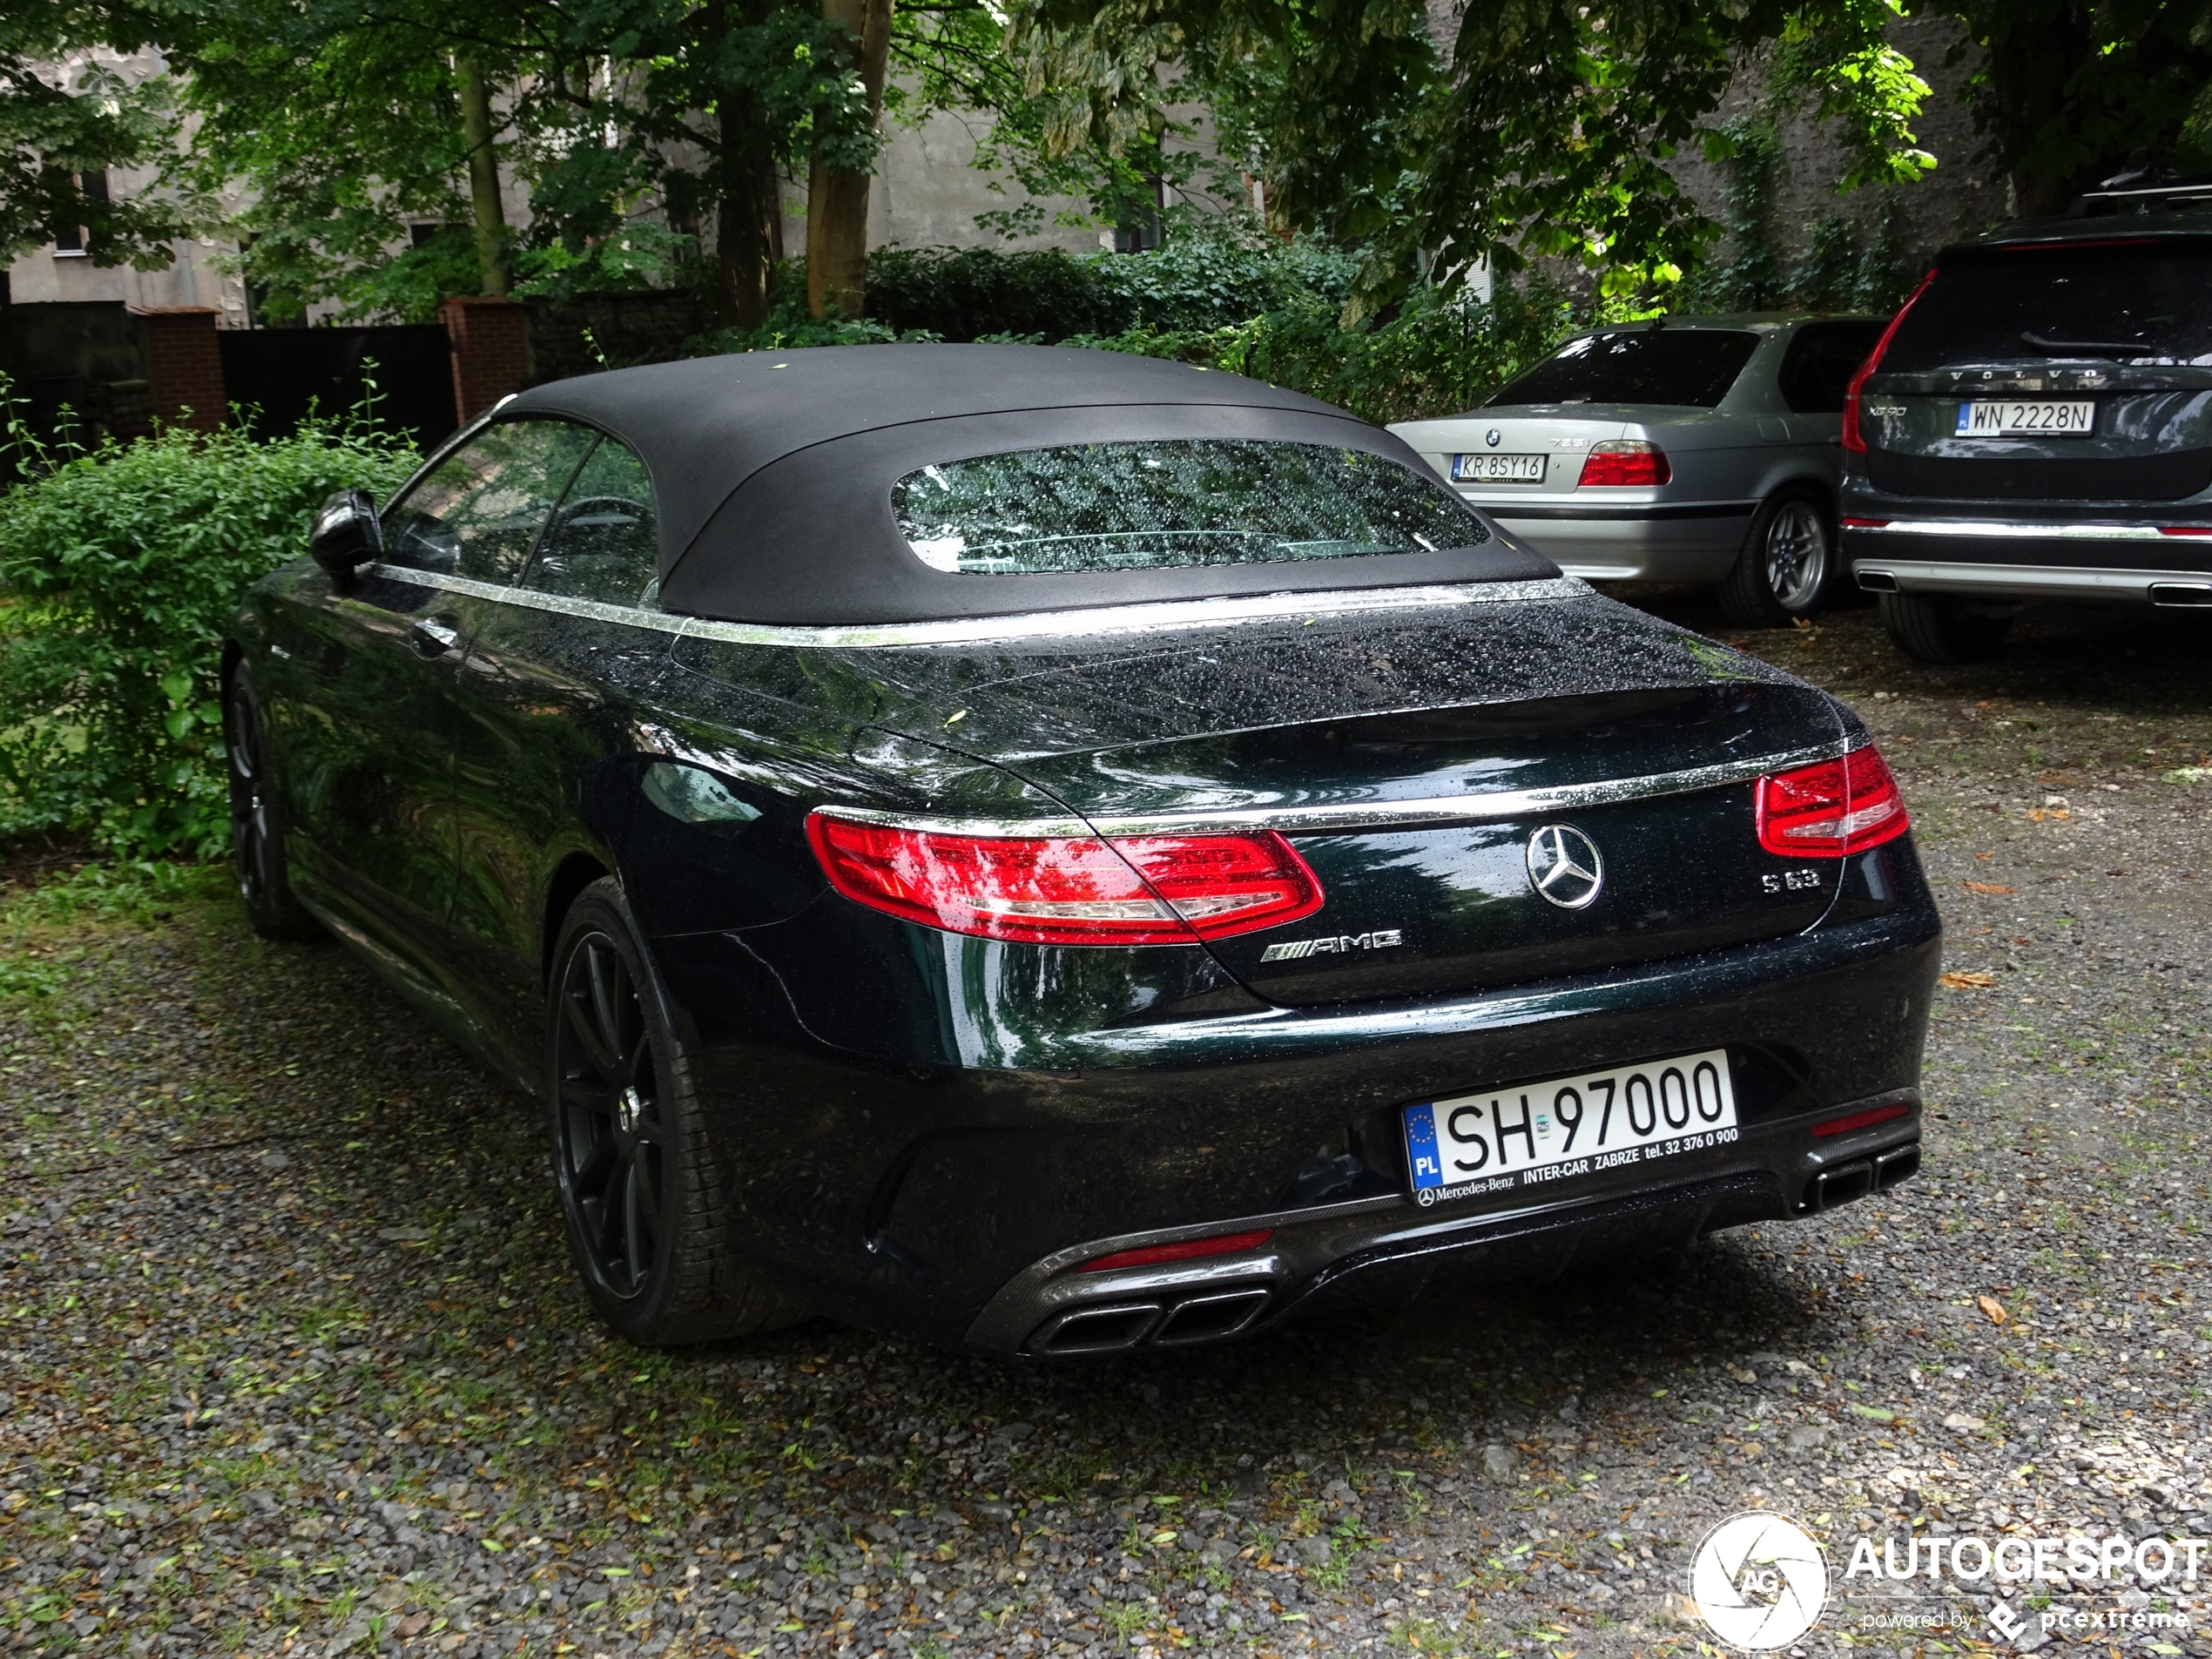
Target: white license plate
{"x":1498,"y":470}
{"x":2022,"y":418}
{"x":1568,"y":1126}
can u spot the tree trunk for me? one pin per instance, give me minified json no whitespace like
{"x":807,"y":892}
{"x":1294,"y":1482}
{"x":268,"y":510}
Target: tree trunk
{"x":748,"y":225}
{"x":837,"y":199}
{"x":2031,"y":60}
{"x":485,"y":205}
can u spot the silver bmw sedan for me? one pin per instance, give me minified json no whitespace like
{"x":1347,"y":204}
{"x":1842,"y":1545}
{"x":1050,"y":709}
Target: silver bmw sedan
{"x":1701,"y":449}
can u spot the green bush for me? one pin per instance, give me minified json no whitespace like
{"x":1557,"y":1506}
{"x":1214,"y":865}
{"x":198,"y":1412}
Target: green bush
{"x":1432,"y":357}
{"x":118,"y":568}
{"x":1196,"y":283}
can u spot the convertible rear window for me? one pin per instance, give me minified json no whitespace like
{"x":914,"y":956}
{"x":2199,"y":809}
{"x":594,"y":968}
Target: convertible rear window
{"x":1172,"y":503}
{"x":1685,"y":367}
{"x":2145,"y":304}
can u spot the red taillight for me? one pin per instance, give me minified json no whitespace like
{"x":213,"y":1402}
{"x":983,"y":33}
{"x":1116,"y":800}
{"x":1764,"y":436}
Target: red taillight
{"x":1854,"y":440}
{"x":1831,"y":808}
{"x":1151,"y":1255}
{"x":1625,"y":461}
{"x":1068,"y":890}
{"x":1871,"y":1116}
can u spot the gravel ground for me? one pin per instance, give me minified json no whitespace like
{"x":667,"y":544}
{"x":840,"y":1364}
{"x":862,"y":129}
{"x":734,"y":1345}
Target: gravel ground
{"x":290,"y":1361}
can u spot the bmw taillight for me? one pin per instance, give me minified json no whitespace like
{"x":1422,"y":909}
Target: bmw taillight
{"x":1625,"y":461}
{"x":1831,"y":808}
{"x":1854,"y":438}
{"x":1069,"y":890}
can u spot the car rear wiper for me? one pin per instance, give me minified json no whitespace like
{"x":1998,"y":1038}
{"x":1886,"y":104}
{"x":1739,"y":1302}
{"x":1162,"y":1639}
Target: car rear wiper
{"x":2095,"y":347}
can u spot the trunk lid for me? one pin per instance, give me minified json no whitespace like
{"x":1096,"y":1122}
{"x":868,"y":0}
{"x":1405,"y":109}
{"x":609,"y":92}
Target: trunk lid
{"x":1561,"y":440}
{"x":2120,"y":325}
{"x":1410,"y":762}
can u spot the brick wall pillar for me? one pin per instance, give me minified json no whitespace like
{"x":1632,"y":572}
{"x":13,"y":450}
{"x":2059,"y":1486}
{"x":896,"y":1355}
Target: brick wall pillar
{"x":184,"y":366}
{"x":491,"y":350}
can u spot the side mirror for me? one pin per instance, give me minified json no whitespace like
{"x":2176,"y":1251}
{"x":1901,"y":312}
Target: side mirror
{"x":347,"y":534}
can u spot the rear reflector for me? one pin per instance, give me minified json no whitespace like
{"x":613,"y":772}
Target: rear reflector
{"x":2185,"y":530}
{"x":1152,"y":1255}
{"x":1865,"y":523}
{"x":1625,"y":461}
{"x":1831,"y":808}
{"x":1066,"y":890}
{"x":1860,"y":1120}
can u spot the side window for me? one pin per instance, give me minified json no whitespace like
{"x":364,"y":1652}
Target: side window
{"x":1821,"y":360}
{"x":604,"y":543}
{"x":477,"y":514}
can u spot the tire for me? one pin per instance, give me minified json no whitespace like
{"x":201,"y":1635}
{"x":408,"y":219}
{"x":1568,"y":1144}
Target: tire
{"x":644,"y":1194}
{"x":1787,"y":564}
{"x":257,"y":820}
{"x":1942,"y":627}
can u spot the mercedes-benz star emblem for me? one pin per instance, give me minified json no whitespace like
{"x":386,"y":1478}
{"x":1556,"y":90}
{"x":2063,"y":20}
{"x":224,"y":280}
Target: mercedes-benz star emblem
{"x":1493,"y":437}
{"x":1563,"y":865}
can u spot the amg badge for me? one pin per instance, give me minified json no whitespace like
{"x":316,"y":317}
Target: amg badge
{"x":1381,"y":939}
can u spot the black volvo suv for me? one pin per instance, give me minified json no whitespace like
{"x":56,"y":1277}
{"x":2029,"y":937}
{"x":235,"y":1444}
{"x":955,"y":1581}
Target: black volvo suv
{"x":2037,"y":424}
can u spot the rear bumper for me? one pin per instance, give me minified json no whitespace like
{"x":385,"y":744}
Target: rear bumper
{"x":1999,"y":558}
{"x":1653,"y":542}
{"x":1385,"y":1251}
{"x":957,"y":1201}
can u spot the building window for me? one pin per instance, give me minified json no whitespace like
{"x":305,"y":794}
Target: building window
{"x":70,"y":240}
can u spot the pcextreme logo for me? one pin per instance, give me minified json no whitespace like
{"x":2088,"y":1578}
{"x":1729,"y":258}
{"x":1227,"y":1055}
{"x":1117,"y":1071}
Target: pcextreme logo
{"x":1759,"y":1582}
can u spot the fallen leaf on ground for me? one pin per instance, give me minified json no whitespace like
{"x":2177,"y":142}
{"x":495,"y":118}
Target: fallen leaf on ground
{"x":1987,"y":886}
{"x":1993,"y":1307}
{"x":1967,"y":982}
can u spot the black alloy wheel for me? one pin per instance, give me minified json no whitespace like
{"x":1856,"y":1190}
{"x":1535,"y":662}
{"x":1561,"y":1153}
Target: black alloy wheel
{"x":257,"y":820}
{"x":1787,"y":564}
{"x":641,"y":1190}
{"x":1943,"y":627}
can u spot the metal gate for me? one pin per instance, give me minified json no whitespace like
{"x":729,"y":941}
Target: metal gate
{"x":279,"y":376}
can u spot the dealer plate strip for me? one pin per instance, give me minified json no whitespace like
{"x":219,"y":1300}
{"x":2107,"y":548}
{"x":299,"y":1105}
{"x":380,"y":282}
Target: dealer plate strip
{"x":1158,"y":616}
{"x":1488,"y":806}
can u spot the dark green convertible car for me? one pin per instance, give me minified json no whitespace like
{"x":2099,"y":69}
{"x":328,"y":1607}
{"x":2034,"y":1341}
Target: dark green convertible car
{"x":1062,"y":852}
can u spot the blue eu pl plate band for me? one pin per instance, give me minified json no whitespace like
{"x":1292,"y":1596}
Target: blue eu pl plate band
{"x":1422,"y":1154}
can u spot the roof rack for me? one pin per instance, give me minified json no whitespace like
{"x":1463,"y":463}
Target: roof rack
{"x":2144,"y":190}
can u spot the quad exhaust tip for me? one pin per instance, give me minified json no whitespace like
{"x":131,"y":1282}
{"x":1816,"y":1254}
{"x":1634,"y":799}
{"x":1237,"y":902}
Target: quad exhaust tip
{"x":1115,"y":1327}
{"x":1855,"y":1180}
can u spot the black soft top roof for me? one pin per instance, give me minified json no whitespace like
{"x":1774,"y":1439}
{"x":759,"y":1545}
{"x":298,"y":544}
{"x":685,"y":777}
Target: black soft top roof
{"x":772,"y":473}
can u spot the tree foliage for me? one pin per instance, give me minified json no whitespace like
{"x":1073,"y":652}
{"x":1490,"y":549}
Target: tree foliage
{"x":65,"y":112}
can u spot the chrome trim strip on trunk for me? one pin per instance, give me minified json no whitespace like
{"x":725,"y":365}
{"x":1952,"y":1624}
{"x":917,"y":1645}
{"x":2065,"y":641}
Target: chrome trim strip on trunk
{"x":2001,"y":531}
{"x":1436,"y":811}
{"x":2057,"y":581}
{"x":1161,"y":616}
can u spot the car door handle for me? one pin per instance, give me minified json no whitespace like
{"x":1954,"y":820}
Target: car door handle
{"x":433,"y":637}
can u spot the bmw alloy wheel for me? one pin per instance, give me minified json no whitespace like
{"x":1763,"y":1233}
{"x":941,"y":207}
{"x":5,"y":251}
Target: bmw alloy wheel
{"x":1797,"y":556}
